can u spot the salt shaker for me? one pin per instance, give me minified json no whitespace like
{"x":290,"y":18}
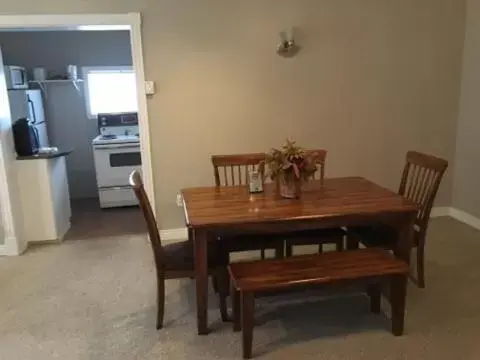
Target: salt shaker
{"x":255,"y":182}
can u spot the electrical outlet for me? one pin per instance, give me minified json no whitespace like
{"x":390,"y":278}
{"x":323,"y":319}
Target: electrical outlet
{"x":179,"y":200}
{"x":149,"y":87}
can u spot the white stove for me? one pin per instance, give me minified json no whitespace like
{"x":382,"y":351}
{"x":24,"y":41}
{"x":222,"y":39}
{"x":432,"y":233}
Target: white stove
{"x":116,"y":152}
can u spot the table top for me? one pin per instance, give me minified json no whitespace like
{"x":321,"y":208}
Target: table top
{"x":213,"y":206}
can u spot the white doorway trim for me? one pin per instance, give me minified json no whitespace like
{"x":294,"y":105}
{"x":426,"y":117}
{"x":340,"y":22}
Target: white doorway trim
{"x":72,"y":22}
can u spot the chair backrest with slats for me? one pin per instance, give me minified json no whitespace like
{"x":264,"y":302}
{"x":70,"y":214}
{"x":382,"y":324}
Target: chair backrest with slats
{"x":231,"y":170}
{"x":321,"y":157}
{"x":137,"y":185}
{"x":420,"y":182}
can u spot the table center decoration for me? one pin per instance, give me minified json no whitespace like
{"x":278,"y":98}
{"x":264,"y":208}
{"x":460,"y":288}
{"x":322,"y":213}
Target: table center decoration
{"x":289,"y":167}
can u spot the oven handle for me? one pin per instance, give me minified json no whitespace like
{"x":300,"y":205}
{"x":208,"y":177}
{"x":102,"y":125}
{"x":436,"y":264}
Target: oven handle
{"x":119,"y":146}
{"x":125,"y":187}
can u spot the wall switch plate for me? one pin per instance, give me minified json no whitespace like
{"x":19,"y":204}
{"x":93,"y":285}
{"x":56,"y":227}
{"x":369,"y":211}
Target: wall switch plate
{"x":179,"y":200}
{"x":150,"y":87}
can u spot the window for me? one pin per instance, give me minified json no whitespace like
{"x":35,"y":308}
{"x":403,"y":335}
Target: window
{"x":110,"y":89}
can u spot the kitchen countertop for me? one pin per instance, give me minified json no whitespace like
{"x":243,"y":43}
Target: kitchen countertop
{"x":46,"y":156}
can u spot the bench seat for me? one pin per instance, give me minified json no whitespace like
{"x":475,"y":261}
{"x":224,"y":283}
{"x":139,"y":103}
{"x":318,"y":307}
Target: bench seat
{"x":314,"y":269}
{"x":371,"y":265}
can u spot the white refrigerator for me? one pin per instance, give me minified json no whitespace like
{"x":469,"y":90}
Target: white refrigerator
{"x":29,"y":104}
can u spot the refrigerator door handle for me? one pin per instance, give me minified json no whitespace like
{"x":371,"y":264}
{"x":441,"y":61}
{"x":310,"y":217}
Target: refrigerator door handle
{"x":32,"y":107}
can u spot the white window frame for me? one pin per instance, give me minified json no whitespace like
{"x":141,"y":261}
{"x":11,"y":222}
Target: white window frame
{"x":86,"y":70}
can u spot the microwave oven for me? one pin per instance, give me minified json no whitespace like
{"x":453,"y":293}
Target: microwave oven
{"x":16,"y":77}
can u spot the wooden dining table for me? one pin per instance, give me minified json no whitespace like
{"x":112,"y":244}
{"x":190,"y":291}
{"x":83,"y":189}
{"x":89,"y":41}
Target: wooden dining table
{"x":331,"y":203}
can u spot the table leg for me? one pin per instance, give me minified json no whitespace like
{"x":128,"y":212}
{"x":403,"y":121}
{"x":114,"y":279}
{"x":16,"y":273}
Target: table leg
{"x":201,"y":279}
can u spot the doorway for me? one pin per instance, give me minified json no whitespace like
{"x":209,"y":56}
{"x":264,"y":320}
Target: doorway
{"x":86,"y":208}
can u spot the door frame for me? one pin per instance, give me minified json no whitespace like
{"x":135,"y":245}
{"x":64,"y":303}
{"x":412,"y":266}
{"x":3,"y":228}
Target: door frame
{"x":12,"y":245}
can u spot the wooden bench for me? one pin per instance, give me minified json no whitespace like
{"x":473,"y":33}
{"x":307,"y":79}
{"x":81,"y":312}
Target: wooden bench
{"x":371,"y":266}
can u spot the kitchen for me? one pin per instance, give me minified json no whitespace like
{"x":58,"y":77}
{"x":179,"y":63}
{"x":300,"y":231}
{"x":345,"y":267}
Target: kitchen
{"x":77,"y":90}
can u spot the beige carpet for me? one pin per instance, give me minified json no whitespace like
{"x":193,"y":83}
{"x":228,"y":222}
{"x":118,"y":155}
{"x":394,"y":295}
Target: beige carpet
{"x":95,"y":299}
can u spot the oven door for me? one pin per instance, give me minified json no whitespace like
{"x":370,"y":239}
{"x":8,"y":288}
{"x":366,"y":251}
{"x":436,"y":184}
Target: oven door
{"x":115,"y":162}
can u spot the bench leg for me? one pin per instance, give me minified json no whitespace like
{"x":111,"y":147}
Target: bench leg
{"x":340,"y":245}
{"x":288,"y":250}
{"x":398,"y":292}
{"x":248,"y":307}
{"x":280,"y":250}
{"x":235,"y":298}
{"x":352,"y":242}
{"x":262,"y":254}
{"x":374,"y":291}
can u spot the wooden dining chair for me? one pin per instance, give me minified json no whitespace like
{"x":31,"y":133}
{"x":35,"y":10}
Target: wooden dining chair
{"x":233,"y":170}
{"x":174,"y":261}
{"x":420,"y":181}
{"x":316,"y":237}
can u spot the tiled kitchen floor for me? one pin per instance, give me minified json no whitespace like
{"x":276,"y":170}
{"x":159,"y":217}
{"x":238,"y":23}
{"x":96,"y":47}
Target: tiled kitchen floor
{"x":90,"y":221}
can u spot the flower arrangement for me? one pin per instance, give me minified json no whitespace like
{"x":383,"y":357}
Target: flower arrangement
{"x":290,"y":165}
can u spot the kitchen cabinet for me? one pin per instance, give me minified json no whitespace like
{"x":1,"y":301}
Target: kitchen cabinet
{"x":44,"y":197}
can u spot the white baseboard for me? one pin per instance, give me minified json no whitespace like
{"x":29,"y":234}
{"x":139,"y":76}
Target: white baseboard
{"x":174,"y":235}
{"x":440,"y":211}
{"x":465,"y":218}
{"x":456,"y":214}
{"x":7,"y":249}
{"x":64,"y":232}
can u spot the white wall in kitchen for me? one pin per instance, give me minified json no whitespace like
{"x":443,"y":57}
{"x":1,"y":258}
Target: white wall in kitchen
{"x":68,"y":124}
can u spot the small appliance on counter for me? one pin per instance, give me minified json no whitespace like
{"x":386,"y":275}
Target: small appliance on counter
{"x":39,"y":74}
{"x":15,"y":77}
{"x":25,"y":137}
{"x":72,"y":72}
{"x":28,"y":104}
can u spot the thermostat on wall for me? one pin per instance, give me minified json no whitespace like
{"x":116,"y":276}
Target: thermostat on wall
{"x":149,"y":87}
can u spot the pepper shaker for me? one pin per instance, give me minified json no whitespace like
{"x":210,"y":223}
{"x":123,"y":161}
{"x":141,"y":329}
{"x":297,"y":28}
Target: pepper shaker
{"x":255,"y":181}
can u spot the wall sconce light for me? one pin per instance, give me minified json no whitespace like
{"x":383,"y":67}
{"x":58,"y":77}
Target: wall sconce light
{"x":287,"y":47}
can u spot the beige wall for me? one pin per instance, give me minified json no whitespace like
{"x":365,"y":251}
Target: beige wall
{"x":374,"y":79}
{"x":466,"y":194}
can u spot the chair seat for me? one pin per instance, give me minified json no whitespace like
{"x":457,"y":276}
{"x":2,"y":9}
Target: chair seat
{"x":316,"y":236}
{"x":377,"y":236}
{"x":179,"y":257}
